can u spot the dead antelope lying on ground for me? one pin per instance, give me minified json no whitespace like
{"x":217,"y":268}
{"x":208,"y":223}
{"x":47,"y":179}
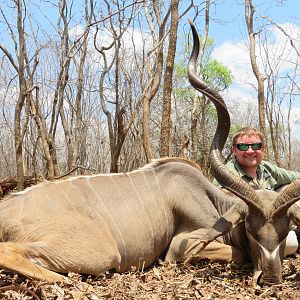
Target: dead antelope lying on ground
{"x":91,"y":224}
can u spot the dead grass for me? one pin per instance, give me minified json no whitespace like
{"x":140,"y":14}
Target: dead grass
{"x":162,"y":281}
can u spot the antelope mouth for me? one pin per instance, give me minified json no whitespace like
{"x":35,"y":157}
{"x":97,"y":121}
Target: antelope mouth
{"x":259,"y":280}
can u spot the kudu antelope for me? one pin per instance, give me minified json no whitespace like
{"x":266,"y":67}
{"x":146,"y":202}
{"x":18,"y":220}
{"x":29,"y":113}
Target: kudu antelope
{"x":167,"y":209}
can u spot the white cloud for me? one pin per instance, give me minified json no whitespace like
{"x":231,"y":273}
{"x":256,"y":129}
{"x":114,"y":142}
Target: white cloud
{"x":242,"y":106}
{"x":295,"y":122}
{"x":236,"y":57}
{"x":76,"y":31}
{"x":242,"y":95}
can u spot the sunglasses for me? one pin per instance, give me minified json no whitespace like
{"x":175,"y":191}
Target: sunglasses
{"x":245,"y":147}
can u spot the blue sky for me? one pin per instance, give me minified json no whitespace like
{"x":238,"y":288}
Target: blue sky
{"x":228,"y":29}
{"x":231,"y":13}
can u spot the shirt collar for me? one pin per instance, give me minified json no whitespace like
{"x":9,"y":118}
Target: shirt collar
{"x":238,"y":168}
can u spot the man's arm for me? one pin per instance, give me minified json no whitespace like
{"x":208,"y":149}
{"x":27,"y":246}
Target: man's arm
{"x":282,"y":176}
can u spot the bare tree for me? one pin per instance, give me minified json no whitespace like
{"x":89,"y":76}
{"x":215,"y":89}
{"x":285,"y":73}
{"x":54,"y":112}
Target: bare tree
{"x":249,"y":14}
{"x":74,"y":129}
{"x":167,"y":88}
{"x":25,"y":74}
{"x":121,"y":117}
{"x":154,"y":70}
{"x":279,"y":98}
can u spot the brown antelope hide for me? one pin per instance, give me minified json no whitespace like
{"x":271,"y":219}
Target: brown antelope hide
{"x":264,"y":216}
{"x":90,"y":224}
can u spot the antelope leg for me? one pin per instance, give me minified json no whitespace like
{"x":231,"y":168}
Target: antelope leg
{"x":192,"y":247}
{"x":13,"y":257}
{"x":187,"y":245}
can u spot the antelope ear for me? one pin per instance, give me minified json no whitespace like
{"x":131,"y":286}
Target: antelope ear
{"x":294,"y":213}
{"x":230,"y":219}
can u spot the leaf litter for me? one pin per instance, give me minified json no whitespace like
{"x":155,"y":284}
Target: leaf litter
{"x":164,"y":280}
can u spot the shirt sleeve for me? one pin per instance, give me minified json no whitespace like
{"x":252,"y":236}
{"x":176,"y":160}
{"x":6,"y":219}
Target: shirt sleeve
{"x":282,"y":176}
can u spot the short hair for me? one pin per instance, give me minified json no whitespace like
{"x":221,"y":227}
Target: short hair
{"x":248,"y":131}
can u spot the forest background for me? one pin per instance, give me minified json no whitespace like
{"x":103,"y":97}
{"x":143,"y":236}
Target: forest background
{"x":100,"y":86}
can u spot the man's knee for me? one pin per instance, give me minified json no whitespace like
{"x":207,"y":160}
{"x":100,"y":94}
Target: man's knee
{"x":291,"y":244}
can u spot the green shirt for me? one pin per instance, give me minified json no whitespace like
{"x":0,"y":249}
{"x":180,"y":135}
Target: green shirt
{"x":269,"y":176}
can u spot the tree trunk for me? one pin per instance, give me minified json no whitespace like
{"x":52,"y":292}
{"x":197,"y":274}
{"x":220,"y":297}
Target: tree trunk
{"x":249,"y":13}
{"x":167,"y":89}
{"x":42,"y":129}
{"x":156,"y":73}
{"x":19,"y":133}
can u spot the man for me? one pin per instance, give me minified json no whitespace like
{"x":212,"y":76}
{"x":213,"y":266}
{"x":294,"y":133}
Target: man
{"x":248,"y":146}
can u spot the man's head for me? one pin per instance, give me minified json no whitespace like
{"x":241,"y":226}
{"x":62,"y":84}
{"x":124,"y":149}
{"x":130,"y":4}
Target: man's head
{"x":248,"y":147}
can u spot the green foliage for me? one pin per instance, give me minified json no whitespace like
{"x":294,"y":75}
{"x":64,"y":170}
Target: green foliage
{"x":234,"y":129}
{"x":180,"y":70}
{"x":181,"y":89}
{"x":216,"y":74}
{"x":210,"y":42}
{"x":213,"y":72}
{"x":183,"y":93}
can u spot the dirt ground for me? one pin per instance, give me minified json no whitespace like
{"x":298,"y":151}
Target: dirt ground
{"x":162,"y":281}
